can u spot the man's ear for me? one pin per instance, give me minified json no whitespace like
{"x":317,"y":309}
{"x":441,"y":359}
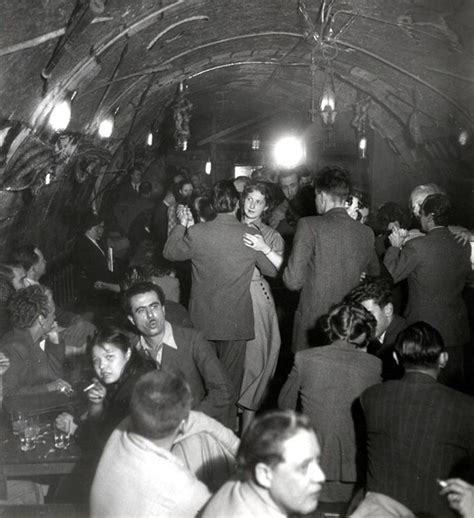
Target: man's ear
{"x":443,"y":360}
{"x":41,"y":320}
{"x":130,"y":318}
{"x":263,"y":475}
{"x":395,"y":357}
{"x":388,"y":310}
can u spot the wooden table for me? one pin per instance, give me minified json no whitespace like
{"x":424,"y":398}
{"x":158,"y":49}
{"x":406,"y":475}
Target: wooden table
{"x":45,"y":459}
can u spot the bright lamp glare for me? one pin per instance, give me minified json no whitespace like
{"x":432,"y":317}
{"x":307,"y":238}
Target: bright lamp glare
{"x":208,"y":167}
{"x":106,"y":127}
{"x":363,"y":144}
{"x":60,"y":115}
{"x":149,"y":139}
{"x":288,"y":152}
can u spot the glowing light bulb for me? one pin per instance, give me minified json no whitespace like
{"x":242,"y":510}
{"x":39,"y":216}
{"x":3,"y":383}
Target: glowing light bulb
{"x":288,"y":152}
{"x":60,"y":115}
{"x":149,"y":139}
{"x":208,"y":167}
{"x":106,"y":127}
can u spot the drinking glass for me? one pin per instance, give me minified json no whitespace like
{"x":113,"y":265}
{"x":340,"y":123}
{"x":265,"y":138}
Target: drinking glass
{"x":18,"y":422}
{"x":28,"y":434}
{"x":61,"y":439}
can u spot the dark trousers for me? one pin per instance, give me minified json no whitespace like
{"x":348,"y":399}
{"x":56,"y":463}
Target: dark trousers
{"x":232,"y":355}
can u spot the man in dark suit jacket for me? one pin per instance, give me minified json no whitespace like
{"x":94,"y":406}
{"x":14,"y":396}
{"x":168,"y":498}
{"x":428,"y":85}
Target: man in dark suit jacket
{"x":437,"y":268}
{"x":180,"y":348}
{"x":222,"y":268}
{"x":375,"y":294}
{"x":418,"y":430}
{"x":330,"y":252}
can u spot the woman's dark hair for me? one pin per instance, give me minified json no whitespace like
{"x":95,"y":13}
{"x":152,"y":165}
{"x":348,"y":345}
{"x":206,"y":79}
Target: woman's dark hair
{"x":350,"y":322}
{"x":112,"y":335}
{"x":387,"y":213}
{"x":225,"y":196}
{"x":419,"y":345}
{"x":263,"y":441}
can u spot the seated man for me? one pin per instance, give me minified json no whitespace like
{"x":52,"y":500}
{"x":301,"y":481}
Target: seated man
{"x":74,"y":329}
{"x":36,"y":359}
{"x":279,"y":472}
{"x":375,"y":294}
{"x":179,"y":347}
{"x":137,"y":474}
{"x":418,"y":430}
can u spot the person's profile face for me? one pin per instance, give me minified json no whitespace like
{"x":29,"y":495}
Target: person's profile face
{"x":40,"y":265}
{"x":136,"y":176}
{"x":290,"y":186}
{"x":19,"y":275}
{"x":147,"y":313}
{"x":380,"y":314}
{"x":297,"y":480}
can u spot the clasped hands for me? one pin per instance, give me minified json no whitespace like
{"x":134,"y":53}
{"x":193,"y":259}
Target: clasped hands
{"x":185,"y":216}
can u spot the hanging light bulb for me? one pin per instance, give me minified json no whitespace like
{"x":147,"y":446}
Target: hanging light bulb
{"x":208,"y":166}
{"x":327,"y":103}
{"x":256,"y":143}
{"x":289,"y":152}
{"x":60,"y":115}
{"x":463,"y":137}
{"x":362,"y":146}
{"x":184,"y":146}
{"x":149,"y":139}
{"x":106,"y":126}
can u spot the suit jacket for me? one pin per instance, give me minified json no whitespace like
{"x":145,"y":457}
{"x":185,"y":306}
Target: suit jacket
{"x":31,"y":368}
{"x":197,"y":359}
{"x":222,"y":268}
{"x":159,"y":225}
{"x":437,"y":268}
{"x":90,"y":261}
{"x":329,"y":380}
{"x":417,"y":431}
{"x":329,"y":254}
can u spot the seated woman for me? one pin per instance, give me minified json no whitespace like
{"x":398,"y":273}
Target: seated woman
{"x":117,"y":367}
{"x":329,"y":381}
{"x":35,"y":352}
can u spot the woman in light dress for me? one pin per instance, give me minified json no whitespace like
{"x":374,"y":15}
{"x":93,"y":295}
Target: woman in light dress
{"x":262,"y":352}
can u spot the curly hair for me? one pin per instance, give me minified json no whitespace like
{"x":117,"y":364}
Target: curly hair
{"x":377,"y":289}
{"x":27,"y":304}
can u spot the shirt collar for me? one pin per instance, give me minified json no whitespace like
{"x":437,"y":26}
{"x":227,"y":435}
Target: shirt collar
{"x":168,"y":339}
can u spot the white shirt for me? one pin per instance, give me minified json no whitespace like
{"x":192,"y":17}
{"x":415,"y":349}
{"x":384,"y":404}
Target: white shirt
{"x":168,"y":340}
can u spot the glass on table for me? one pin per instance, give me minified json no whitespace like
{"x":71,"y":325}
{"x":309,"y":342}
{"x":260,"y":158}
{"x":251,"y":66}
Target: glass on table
{"x":28,"y":433}
{"x":18,"y":421}
{"x":62,"y":439}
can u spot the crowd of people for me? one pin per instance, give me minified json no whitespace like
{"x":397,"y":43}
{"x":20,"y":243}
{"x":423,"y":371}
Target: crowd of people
{"x":180,"y":312}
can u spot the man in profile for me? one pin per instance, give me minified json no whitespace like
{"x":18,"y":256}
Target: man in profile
{"x":137,"y":474}
{"x":330,"y":252}
{"x":436,"y":267}
{"x":418,"y":430}
{"x":375,"y":294}
{"x":278,"y":467}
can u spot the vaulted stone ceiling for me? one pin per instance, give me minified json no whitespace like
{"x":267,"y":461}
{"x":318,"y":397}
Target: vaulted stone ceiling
{"x":406,"y":65}
{"x":249,"y":58}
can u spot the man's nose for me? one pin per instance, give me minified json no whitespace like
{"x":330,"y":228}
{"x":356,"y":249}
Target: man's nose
{"x":316,"y":473}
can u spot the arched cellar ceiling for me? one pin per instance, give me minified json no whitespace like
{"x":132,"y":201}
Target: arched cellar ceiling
{"x":247,"y":58}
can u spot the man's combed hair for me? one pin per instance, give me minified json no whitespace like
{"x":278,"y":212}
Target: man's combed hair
{"x":335,"y":181}
{"x":439,"y":206}
{"x":27,"y":304}
{"x":419,"y":345}
{"x":139,"y":288}
{"x":377,"y":289}
{"x":161,"y":400}
{"x":225,"y":196}
{"x":24,"y":255}
{"x":263,"y":440}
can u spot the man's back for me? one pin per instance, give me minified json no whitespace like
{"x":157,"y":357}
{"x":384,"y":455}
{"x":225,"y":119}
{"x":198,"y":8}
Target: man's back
{"x":137,"y":478}
{"x":417,"y":430}
{"x":437,"y":268}
{"x":222,"y":268}
{"x":329,"y":254}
